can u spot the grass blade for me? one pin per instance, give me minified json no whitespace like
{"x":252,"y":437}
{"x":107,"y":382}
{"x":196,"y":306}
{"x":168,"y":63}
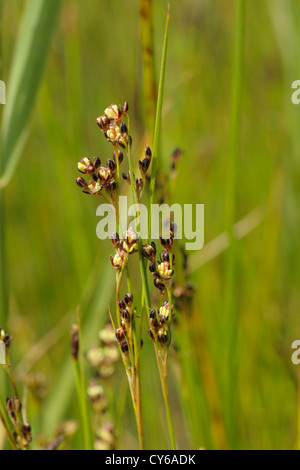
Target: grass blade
{"x":28,"y":64}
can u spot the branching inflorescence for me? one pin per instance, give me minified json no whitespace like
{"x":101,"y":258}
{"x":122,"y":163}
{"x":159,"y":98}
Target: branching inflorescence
{"x":105,"y":183}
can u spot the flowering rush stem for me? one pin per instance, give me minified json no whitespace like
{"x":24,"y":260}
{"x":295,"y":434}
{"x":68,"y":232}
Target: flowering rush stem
{"x":105,"y":184}
{"x":158,"y":116}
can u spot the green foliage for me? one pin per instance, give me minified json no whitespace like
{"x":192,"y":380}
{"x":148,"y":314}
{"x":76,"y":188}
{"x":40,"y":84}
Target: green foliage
{"x":54,"y":260}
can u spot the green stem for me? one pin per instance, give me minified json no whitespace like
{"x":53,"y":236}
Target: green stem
{"x":163,"y":373}
{"x":81,"y":394}
{"x":136,"y":341}
{"x":146,"y":294}
{"x":3,"y":266}
{"x":6,"y":425}
{"x":158,"y":119}
{"x":149,"y":89}
{"x":139,"y":403}
{"x":230,"y":307}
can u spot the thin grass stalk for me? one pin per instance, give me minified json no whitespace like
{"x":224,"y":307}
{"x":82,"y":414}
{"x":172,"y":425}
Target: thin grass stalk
{"x":149,"y":88}
{"x":81,"y":395}
{"x":6,"y":425}
{"x":162,"y":363}
{"x":162,"y":367}
{"x":145,"y":293}
{"x":158,"y":118}
{"x":230,"y":211}
{"x":3,"y":272}
{"x":3,"y":265}
{"x":298,"y":440}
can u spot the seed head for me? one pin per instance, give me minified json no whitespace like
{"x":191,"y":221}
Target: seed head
{"x":75,"y":342}
{"x":164,"y":270}
{"x":160,"y":286}
{"x":103,"y":122}
{"x":124,"y":347}
{"x":128,"y":299}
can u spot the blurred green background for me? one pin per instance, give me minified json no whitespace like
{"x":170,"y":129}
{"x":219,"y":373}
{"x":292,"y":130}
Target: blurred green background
{"x":232,"y":382}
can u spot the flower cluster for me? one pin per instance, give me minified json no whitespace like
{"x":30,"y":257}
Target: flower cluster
{"x":113,"y":128}
{"x":162,"y":268}
{"x":159,"y":324}
{"x":21,"y":430}
{"x":103,"y":357}
{"x":124,"y":333}
{"x":103,"y":177}
{"x":104,"y":430}
{"x":125,"y":247}
{"x":139,"y":182}
{"x":105,"y":437}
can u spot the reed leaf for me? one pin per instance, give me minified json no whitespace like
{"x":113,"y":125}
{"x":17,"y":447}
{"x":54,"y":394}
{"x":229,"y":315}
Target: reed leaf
{"x":26,"y":72}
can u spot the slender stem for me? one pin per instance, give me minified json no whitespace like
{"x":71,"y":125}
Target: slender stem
{"x":6,"y":425}
{"x":115,"y":147}
{"x":149,"y":89}
{"x":298,"y":444}
{"x":230,"y":307}
{"x":3,"y":265}
{"x":9,"y":371}
{"x":158,"y":118}
{"x":81,"y":393}
{"x":163,"y":373}
{"x":139,"y":403}
{"x":128,"y":279}
{"x":118,"y":286}
{"x":82,"y":406}
{"x":139,"y":416}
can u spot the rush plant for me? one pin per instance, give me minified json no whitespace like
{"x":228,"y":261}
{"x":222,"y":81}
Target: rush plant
{"x":105,"y":183}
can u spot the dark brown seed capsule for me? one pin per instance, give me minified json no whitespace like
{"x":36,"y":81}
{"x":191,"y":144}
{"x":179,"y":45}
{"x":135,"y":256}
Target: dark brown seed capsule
{"x":120,"y":156}
{"x":81,"y":182}
{"x":120,"y":334}
{"x":123,"y":128}
{"x":152,"y":313}
{"x":163,"y":242}
{"x":75,"y":342}
{"x":151,"y":334}
{"x":148,"y":152}
{"x":160,"y":286}
{"x":124,"y":347}
{"x":97,"y":163}
{"x":111,"y":165}
{"x":115,"y":239}
{"x":145,"y":164}
{"x":152,"y":268}
{"x":128,"y":299}
{"x":126,"y":177}
{"x":125,"y":315}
